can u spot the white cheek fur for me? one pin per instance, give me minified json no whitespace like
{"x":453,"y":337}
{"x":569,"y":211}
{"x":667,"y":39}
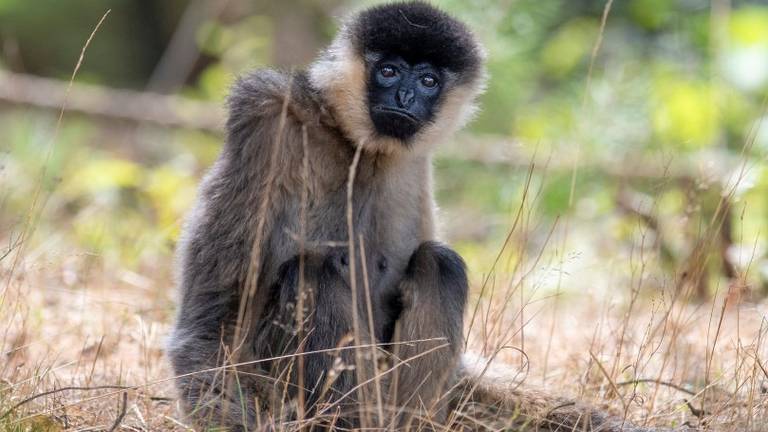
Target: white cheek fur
{"x":342,"y":75}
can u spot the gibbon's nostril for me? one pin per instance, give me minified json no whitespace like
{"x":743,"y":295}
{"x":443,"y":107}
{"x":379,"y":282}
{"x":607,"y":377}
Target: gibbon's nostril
{"x":405,"y":97}
{"x":344,"y":259}
{"x":382,"y":264}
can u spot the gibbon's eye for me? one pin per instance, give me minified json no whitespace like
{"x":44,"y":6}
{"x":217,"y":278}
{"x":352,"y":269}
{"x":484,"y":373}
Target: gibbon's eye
{"x":387,"y":71}
{"x":429,"y":81}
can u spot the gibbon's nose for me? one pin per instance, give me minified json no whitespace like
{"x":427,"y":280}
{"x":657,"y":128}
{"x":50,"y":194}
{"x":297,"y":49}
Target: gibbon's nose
{"x":405,"y":97}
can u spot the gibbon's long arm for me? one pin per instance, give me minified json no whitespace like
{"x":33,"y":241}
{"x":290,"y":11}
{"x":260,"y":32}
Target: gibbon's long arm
{"x":216,"y":251}
{"x":434,"y":293}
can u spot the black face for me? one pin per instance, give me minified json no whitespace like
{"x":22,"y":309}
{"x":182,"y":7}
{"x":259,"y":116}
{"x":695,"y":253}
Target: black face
{"x":402,"y":97}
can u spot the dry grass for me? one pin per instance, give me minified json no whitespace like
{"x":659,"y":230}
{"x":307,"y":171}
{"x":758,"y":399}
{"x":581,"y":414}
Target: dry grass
{"x":83,"y":344}
{"x":82,"y":341}
{"x":73,"y":324}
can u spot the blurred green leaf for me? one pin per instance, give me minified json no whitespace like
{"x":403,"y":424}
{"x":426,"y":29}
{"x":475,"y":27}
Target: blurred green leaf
{"x":651,"y":14}
{"x":569,"y":47}
{"x":102,"y":175}
{"x":684,"y":112}
{"x":749,"y":25}
{"x":172,"y":193}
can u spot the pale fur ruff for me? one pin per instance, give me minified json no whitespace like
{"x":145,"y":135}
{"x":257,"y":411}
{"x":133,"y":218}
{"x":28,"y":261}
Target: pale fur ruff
{"x":341,"y":74}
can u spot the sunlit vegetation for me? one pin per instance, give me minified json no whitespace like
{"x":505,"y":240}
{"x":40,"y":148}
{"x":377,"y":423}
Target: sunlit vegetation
{"x":611,"y":200}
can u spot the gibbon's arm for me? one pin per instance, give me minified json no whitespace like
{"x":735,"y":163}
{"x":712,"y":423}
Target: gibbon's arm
{"x":434,"y":296}
{"x":221,"y":231}
{"x":215,"y":250}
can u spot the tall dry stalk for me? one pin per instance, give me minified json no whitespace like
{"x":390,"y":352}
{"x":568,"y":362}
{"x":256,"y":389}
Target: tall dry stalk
{"x":359,"y":367}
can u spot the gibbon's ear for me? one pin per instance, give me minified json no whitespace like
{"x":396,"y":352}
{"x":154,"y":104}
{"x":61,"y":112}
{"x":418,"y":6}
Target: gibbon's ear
{"x":417,"y":32}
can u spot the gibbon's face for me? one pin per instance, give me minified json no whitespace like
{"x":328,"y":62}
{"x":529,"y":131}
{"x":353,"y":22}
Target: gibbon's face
{"x":402,"y":96}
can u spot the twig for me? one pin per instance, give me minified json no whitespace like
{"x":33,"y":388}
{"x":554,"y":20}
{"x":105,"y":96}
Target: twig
{"x":659,"y":382}
{"x":610,"y":380}
{"x":593,"y":57}
{"x":109,"y":103}
{"x":33,"y":210}
{"x":353,"y":274}
{"x":698,"y":413}
{"x":302,"y":240}
{"x":59,"y":390}
{"x":369,"y":310}
{"x":507,"y":240}
{"x":121,"y":415}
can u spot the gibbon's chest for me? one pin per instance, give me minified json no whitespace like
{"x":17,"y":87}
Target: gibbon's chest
{"x":386,"y":209}
{"x":383,"y":211}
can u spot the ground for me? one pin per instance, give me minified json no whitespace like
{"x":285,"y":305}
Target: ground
{"x":76,"y":323}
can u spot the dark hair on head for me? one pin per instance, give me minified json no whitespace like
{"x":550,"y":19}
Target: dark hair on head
{"x":417,"y":30}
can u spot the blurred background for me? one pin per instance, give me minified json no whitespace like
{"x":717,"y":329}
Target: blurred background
{"x":653,"y":138}
{"x":611,"y":199}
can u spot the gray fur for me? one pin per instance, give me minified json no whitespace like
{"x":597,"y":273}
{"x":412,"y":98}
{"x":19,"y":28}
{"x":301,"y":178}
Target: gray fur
{"x":392,"y":208}
{"x":418,"y":286}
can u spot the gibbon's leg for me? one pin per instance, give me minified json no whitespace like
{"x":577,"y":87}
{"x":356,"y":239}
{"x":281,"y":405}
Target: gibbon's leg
{"x":434,"y":295}
{"x":198,"y":355}
{"x":329,"y":375}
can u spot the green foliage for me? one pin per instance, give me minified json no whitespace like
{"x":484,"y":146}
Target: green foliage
{"x":747,"y":26}
{"x":651,"y":14}
{"x":672,"y":81}
{"x":569,"y":47}
{"x":684,"y":112}
{"x":124,"y":210}
{"x":239,"y":47}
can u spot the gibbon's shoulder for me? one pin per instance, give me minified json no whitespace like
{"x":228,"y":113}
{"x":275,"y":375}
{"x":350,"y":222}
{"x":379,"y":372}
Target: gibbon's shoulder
{"x":260,"y":95}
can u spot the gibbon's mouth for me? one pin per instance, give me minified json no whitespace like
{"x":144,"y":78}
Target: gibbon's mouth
{"x":398,"y":112}
{"x":395,"y":122}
